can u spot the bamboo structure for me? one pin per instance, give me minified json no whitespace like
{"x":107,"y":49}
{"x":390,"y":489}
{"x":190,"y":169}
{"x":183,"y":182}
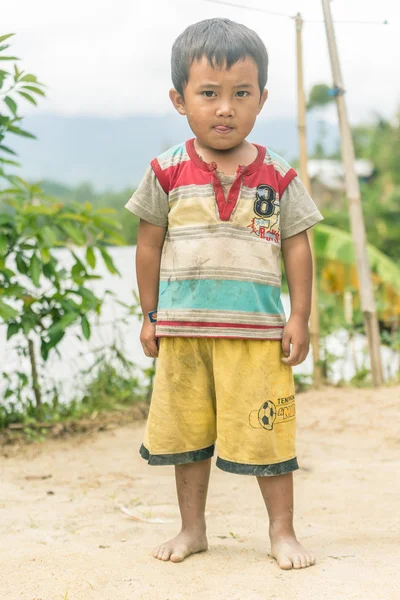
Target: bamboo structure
{"x":303,"y":152}
{"x":355,"y":209}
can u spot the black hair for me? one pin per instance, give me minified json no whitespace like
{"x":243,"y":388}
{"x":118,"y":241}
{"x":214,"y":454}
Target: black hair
{"x":222,"y":42}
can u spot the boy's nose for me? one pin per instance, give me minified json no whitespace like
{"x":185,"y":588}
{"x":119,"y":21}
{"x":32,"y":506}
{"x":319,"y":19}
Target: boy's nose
{"x":225,"y":109}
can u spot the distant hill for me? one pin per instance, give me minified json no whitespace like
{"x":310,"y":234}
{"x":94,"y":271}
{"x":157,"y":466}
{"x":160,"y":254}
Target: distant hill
{"x":112,"y":153}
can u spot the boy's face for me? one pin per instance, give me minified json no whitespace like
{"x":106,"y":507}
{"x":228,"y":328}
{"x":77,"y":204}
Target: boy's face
{"x":221,"y":105}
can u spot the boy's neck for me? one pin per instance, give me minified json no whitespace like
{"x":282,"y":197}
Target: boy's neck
{"x":228,"y":160}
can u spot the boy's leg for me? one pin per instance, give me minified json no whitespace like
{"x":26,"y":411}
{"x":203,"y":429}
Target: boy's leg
{"x":192,"y":486}
{"x":277,"y":492}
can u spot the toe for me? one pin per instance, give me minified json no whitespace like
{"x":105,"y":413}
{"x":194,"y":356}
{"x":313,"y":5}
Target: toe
{"x":176,"y":557}
{"x":156,"y":551}
{"x":303,"y":560}
{"x":284,"y":562}
{"x":296,"y":562}
{"x":313,"y":559}
{"x":165,"y":554}
{"x":308,"y":560}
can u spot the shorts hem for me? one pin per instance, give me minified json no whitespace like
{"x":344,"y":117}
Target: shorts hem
{"x":179,"y":458}
{"x":280,"y":468}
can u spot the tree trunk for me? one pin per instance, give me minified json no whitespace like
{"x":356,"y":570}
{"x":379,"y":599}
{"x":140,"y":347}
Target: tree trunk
{"x":35,"y":378}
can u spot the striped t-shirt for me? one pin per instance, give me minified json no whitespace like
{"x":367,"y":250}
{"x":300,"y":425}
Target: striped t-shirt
{"x":220,"y":272}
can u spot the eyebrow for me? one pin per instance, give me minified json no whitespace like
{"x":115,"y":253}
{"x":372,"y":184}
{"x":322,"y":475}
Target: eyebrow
{"x":216,"y":85}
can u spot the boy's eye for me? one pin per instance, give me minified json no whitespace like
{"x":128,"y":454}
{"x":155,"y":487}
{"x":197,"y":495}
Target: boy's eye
{"x":208,"y":93}
{"x":242,"y":93}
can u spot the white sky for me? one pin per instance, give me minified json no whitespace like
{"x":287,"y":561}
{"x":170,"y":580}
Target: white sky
{"x":103,"y":57}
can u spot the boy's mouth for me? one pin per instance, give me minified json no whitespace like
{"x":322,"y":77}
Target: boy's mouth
{"x":223,"y":129}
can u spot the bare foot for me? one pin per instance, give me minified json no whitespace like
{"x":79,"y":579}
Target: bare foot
{"x":182,"y":546}
{"x":289,"y":553}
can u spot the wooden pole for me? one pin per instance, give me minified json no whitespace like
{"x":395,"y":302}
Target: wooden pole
{"x":355,"y":208}
{"x":301,"y":123}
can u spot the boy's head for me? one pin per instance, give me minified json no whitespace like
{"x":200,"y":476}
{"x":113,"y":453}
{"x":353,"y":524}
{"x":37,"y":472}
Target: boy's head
{"x":219,"y":72}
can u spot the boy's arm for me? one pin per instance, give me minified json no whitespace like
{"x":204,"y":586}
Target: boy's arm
{"x":148,"y":257}
{"x":298,"y":267}
{"x":150,"y":204}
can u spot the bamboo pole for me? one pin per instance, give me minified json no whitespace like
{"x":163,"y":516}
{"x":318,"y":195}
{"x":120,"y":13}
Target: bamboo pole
{"x":301,"y":123}
{"x":355,"y":209}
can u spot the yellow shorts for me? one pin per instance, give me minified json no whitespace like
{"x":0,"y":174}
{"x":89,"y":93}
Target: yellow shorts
{"x":236,"y":392}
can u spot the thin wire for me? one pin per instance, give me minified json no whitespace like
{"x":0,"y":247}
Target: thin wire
{"x":286,"y":15}
{"x":385,"y":22}
{"x":264,"y":10}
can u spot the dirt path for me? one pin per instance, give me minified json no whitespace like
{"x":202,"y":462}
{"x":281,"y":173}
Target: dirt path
{"x":66,"y":533}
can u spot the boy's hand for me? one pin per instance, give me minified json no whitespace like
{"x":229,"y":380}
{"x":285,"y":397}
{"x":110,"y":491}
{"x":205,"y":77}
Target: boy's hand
{"x":148,"y":339}
{"x":295,"y":333}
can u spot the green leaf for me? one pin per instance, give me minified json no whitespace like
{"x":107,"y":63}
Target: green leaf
{"x":105,"y":211}
{"x":87,"y":295}
{"x":6,"y":149}
{"x":35,"y":268}
{"x":44,"y":350}
{"x":9,"y":58}
{"x":4,"y":47}
{"x":14,"y":291}
{"x":100,"y":221}
{"x":73,"y":217}
{"x":19,"y":131}
{"x":108,"y":261}
{"x":27,"y":97}
{"x":76,"y":235}
{"x":5,"y":37}
{"x":21,"y":264}
{"x":85,"y":327}
{"x":78,"y":272}
{"x":12,"y":329}
{"x":29,"y":77}
{"x":41,"y":209}
{"x":5,"y":218}
{"x":91,"y":257}
{"x":48,"y":236}
{"x":48,"y":345}
{"x":56,"y":338}
{"x":63,"y":323}
{"x":31,"y":88}
{"x":10,"y":162}
{"x":7,"y":312}
{"x":11,"y":104}
{"x":3,"y":244}
{"x":28,"y":323}
{"x":45,"y":255}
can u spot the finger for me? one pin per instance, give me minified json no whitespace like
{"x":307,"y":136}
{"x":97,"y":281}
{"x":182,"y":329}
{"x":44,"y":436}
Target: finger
{"x":286,"y":344}
{"x":145,"y":350}
{"x":152,"y":348}
{"x":303,"y":356}
{"x":293,"y":359}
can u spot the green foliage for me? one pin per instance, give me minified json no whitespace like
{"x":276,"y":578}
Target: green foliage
{"x":50,"y":297}
{"x":14,"y":85}
{"x":379,"y":143}
{"x":114,"y":201}
{"x":319,"y":96}
{"x":40,"y":297}
{"x":332,"y":244}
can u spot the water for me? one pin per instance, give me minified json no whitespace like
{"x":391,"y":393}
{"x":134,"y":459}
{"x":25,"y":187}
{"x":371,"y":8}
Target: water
{"x":77,"y":355}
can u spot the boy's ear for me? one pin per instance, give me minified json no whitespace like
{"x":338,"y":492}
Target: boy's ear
{"x":263,"y":100}
{"x":178,"y":101}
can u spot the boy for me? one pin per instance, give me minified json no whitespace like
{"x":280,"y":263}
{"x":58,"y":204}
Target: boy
{"x":215,"y":214}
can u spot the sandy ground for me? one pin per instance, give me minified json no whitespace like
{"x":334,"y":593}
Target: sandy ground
{"x":65,"y":537}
